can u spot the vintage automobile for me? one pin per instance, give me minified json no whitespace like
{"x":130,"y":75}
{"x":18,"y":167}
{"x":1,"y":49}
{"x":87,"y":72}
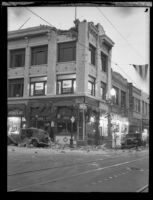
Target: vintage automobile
{"x":36,"y":137}
{"x":131,"y":140}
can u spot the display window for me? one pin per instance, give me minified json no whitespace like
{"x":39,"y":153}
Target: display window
{"x":14,"y":125}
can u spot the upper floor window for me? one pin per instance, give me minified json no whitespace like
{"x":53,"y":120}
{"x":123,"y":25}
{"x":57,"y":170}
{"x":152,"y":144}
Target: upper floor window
{"x":92,"y":51}
{"x":66,"y":84}
{"x":139,"y":110}
{"x":146,"y":108}
{"x":91,"y":86}
{"x":103,"y":90}
{"x":17,"y":58}
{"x":39,"y":55}
{"x":116,"y":99}
{"x":104,"y":61}
{"x":66,"y":51}
{"x":143,"y":110}
{"x":136,"y":105}
{"x":15,"y":87}
{"x":123,"y":98}
{"x":38,"y":86}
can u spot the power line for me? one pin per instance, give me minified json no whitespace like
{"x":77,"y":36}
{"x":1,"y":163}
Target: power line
{"x":24,"y":23}
{"x":111,"y":61}
{"x":39,"y":16}
{"x":79,"y":42}
{"x":120,"y":33}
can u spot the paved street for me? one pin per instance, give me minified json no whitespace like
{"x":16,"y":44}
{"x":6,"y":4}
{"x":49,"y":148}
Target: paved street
{"x":77,"y":171}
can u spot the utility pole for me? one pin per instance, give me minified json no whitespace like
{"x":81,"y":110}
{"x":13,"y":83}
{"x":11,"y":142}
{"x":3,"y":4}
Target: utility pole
{"x":75,"y":13}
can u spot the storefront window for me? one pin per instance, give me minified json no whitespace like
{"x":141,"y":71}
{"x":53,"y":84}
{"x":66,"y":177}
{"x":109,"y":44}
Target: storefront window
{"x":14,"y":125}
{"x":64,"y":124}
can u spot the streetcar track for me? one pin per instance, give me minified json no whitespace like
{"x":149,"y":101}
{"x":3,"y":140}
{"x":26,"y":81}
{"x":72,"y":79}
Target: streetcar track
{"x":62,"y":166}
{"x":143,"y":188}
{"x":74,"y":175}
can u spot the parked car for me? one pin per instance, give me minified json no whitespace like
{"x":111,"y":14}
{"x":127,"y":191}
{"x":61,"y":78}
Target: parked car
{"x":131,"y":140}
{"x":36,"y":137}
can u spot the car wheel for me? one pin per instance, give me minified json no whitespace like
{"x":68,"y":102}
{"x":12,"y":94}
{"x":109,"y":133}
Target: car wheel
{"x":34,"y":142}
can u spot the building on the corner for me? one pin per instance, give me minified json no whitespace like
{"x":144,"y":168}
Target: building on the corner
{"x":58,"y":80}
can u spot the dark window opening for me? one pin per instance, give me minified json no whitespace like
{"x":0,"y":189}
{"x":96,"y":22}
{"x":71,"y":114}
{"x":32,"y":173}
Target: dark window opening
{"x":92,"y":51}
{"x":104,"y":61}
{"x":103,"y":90}
{"x":39,"y":55}
{"x":66,"y":51}
{"x":17,"y":58}
{"x":123,"y":99}
{"x":16,"y":88}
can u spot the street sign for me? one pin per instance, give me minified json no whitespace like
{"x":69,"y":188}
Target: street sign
{"x":72,"y":119}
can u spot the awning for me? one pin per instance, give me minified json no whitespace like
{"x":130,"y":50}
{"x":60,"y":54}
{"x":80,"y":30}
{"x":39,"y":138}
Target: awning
{"x":64,"y":103}
{"x":16,"y":109}
{"x":40,"y":109}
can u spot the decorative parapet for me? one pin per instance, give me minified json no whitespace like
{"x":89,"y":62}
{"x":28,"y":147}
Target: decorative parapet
{"x":38,"y":30}
{"x":117,"y":77}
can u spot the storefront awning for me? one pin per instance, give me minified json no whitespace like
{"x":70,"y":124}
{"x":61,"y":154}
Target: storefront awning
{"x":40,"y":109}
{"x":16,"y":109}
{"x":64,"y":103}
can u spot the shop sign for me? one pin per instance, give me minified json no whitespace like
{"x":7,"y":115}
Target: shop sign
{"x":72,"y":119}
{"x":83,"y":106}
{"x":52,"y":123}
{"x":39,"y":88}
{"x":15,"y":113}
{"x":67,"y":84}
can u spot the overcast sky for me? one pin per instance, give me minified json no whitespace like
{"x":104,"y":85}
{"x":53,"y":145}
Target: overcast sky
{"x":133,"y":23}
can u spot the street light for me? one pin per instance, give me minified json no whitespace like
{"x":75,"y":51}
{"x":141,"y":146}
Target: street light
{"x":36,"y":119}
{"x":110,"y":103}
{"x":71,"y":139}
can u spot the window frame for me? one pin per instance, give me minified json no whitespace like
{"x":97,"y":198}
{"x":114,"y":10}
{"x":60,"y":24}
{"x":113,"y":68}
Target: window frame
{"x":38,"y":49}
{"x":11,"y":91}
{"x":60,"y":51}
{"x":61,"y":83}
{"x":92,"y":50}
{"x":105,"y":66}
{"x":92,"y":81}
{"x":123,"y":103}
{"x":104,"y":89}
{"x":34,"y":86}
{"x":116,"y":99}
{"x":13,"y":56}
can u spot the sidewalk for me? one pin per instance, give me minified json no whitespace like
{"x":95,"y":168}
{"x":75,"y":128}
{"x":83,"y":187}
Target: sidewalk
{"x":76,"y":150}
